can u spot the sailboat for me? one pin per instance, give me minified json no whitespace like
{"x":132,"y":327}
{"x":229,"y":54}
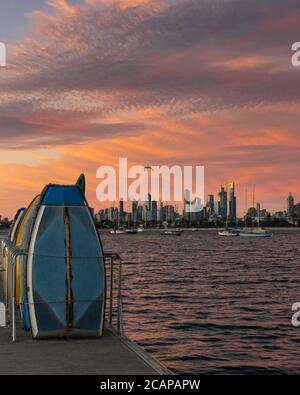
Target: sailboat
{"x":259,"y":232}
{"x":229,"y":232}
{"x":255,"y":232}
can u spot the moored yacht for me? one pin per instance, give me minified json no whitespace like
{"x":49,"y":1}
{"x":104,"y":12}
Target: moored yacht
{"x":230,"y":233}
{"x":174,"y":232}
{"x":118,"y":231}
{"x":259,"y":232}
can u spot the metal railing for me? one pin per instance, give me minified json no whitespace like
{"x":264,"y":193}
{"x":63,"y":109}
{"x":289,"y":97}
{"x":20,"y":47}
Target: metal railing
{"x":114,"y":283}
{"x":112,"y":262}
{"x":12,"y":252}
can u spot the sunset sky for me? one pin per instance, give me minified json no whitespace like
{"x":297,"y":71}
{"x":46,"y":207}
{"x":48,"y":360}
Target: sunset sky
{"x":207,"y":82}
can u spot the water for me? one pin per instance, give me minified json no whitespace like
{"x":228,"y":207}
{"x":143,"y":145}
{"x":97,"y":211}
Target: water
{"x":204,"y":304}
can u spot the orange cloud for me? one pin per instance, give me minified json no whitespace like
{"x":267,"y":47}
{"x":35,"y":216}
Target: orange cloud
{"x":157,"y":82}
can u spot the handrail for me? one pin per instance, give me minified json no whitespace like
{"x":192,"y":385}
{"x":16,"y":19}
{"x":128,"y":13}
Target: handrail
{"x":13,"y":253}
{"x":110,"y":258}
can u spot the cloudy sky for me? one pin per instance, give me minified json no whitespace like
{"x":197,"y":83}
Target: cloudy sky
{"x":159,"y":82}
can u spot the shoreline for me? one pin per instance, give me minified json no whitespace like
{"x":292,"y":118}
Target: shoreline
{"x":294,"y":228}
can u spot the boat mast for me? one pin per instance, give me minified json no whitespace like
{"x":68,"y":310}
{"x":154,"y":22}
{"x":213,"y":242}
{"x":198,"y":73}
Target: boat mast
{"x":246,"y":203}
{"x":253,"y":199}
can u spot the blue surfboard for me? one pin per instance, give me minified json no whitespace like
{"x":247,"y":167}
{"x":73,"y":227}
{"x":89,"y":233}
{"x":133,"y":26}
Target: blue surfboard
{"x":65,"y":267}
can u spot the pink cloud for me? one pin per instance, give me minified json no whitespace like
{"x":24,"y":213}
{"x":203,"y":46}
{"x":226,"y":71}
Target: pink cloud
{"x":163,"y":82}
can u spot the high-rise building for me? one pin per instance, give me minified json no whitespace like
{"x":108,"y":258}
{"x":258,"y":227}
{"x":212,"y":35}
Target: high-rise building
{"x":111,"y":214}
{"x":154,"y":210}
{"x":135,"y":216}
{"x":160,"y":213}
{"x":222,"y":205}
{"x":297,"y":210}
{"x":211,"y":203}
{"x":148,"y":201}
{"x":290,"y":206}
{"x":140,"y":210}
{"x":187,"y":206}
{"x":121,"y":210}
{"x":170,"y":213}
{"x":231,"y":201}
{"x":147,"y":217}
{"x":258,"y":209}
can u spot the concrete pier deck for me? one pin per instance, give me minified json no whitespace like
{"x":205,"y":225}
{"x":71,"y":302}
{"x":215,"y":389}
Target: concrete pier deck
{"x":108,"y":355}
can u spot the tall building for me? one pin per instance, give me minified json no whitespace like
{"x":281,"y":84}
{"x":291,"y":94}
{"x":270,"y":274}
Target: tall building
{"x":290,"y":206}
{"x":231,"y":201}
{"x":160,"y":213}
{"x":135,"y":215}
{"x":187,"y":206}
{"x":148,"y":201}
{"x":211,"y":203}
{"x":297,"y":210}
{"x":170,"y":213}
{"x":147,"y":217}
{"x":222,"y":205}
{"x":154,"y":211}
{"x":140,"y":210}
{"x":121,"y":211}
{"x":111,"y":214}
{"x":258,"y":209}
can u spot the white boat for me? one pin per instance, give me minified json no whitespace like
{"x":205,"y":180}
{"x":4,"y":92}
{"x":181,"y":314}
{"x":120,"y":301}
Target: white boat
{"x":255,"y":233}
{"x":171,"y":233}
{"x":229,"y":233}
{"x":117,"y":231}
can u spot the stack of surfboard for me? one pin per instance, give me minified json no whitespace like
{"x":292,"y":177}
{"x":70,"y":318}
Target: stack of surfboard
{"x":60,"y":283}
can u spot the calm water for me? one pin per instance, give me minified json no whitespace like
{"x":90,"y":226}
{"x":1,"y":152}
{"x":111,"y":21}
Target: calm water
{"x":211,"y":305}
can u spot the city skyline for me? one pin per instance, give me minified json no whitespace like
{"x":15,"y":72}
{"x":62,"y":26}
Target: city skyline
{"x":222,"y":205}
{"x":212,"y":207}
{"x":166,"y":82}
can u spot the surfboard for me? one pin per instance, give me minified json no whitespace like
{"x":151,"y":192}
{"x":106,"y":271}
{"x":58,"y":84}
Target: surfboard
{"x":22,"y":236}
{"x":81,"y":182}
{"x":6,"y":275}
{"x":65,"y":267}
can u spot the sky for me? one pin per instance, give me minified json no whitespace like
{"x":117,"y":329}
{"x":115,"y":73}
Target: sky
{"x":160,"y":82}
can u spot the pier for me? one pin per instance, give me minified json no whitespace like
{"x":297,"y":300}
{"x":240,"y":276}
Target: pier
{"x":111,"y":354}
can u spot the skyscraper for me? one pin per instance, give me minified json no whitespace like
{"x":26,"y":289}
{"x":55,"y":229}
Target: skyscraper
{"x":147,"y":217}
{"x":154,"y":210}
{"x":290,"y":206}
{"x":222,"y":205}
{"x":170,"y":213}
{"x":187,"y":205}
{"x":231,"y":204}
{"x":211,"y":203}
{"x":121,"y":210}
{"x":134,"y":211}
{"x":258,"y":209}
{"x":148,"y":201}
{"x":160,"y":212}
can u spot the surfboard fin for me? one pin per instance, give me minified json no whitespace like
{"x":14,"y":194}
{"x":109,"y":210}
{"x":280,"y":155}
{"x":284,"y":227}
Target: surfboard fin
{"x":81,"y":182}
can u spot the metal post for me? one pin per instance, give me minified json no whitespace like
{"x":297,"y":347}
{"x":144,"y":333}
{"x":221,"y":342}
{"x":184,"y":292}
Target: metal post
{"x":111,"y":292}
{"x":119,"y":318}
{"x":14,"y":332}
